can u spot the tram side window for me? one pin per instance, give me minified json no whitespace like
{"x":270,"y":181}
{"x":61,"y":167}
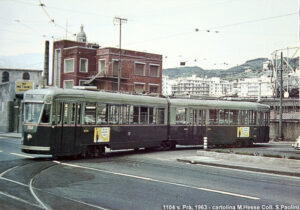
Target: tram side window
{"x":151,"y":115}
{"x":244,"y":117}
{"x":181,"y":116}
{"x":252,"y":117}
{"x":260,"y":118}
{"x":65,"y":117}
{"x":266,"y":118}
{"x":202,"y":117}
{"x":124,"y":114}
{"x":224,"y":116}
{"x":213,"y":116}
{"x":160,"y":116}
{"x":90,"y":114}
{"x":233,"y":117}
{"x":144,"y":115}
{"x":191,"y":116}
{"x":135,"y":114}
{"x":101,"y":115}
{"x":114,"y":114}
{"x":130,"y":113}
{"x":59,"y":110}
{"x":73,"y":113}
{"x":46,"y":113}
{"x":78,"y":114}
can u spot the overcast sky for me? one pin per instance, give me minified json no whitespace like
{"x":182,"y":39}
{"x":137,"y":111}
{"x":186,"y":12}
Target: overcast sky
{"x":239,"y":30}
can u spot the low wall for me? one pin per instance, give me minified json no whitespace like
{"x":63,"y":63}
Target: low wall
{"x":6,"y":112}
{"x":290,"y":130}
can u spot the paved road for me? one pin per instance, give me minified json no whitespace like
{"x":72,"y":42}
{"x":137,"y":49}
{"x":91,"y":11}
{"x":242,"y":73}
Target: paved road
{"x":136,"y":180}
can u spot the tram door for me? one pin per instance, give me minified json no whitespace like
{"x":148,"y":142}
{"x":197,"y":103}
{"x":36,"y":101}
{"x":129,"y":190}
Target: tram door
{"x":196,"y":120}
{"x":67,"y":141}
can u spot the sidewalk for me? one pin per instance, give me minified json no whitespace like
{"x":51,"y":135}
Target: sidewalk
{"x":281,"y":166}
{"x":11,"y":135}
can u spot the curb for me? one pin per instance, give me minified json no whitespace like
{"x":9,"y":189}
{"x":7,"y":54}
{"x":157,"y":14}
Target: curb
{"x":296,"y":174}
{"x":10,"y":136}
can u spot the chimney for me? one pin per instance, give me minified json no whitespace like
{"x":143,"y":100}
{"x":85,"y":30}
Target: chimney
{"x":46,"y":64}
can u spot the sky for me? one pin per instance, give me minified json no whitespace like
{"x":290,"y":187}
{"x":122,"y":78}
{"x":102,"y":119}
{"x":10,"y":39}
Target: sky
{"x":212,"y":34}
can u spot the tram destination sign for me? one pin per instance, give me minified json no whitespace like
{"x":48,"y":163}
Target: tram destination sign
{"x":22,"y":86}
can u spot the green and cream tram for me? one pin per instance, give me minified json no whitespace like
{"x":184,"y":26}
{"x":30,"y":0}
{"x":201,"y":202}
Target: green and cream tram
{"x":66,"y":122}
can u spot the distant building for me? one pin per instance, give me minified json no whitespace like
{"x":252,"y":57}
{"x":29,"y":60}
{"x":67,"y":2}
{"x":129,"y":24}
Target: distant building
{"x":253,"y":87}
{"x":191,"y":86}
{"x":13,"y":83}
{"x":197,"y":86}
{"x":78,"y":63}
{"x":167,"y":85}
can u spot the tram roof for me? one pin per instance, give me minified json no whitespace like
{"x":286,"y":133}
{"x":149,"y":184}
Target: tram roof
{"x":101,"y":96}
{"x":220,"y":104}
{"x":146,"y":100}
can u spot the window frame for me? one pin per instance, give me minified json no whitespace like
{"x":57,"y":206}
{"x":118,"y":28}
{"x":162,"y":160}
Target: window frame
{"x":144,"y":69}
{"x":69,"y":80}
{"x":65,"y":65}
{"x":139,"y":83}
{"x":154,"y":85}
{"x":158,"y":70}
{"x":112,"y":66}
{"x":100,"y":65}
{"x":86,"y":65}
{"x":26,"y":76}
{"x":5,"y":78}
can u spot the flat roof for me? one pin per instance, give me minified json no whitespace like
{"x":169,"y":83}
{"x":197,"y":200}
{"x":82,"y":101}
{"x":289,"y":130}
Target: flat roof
{"x":14,"y":69}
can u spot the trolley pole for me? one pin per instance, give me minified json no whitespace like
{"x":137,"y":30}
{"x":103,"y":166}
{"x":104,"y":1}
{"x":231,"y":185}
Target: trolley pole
{"x":120,"y":21}
{"x":280,"y":108}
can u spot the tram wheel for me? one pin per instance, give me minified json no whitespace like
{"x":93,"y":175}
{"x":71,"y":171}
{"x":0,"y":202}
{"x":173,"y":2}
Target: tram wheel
{"x":250,"y":143}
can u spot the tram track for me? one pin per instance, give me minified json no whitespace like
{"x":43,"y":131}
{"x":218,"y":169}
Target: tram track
{"x":251,"y":176}
{"x":35,"y":200}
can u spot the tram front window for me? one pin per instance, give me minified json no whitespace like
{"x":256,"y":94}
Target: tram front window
{"x":32,"y":112}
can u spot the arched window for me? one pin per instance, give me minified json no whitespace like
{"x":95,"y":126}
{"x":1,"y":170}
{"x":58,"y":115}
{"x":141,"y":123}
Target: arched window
{"x":5,"y":76}
{"x":26,"y":76}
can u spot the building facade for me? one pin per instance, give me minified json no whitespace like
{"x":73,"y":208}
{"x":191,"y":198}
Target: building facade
{"x":191,"y":86}
{"x":255,"y":87}
{"x":13,"y":83}
{"x":77,"y":63}
{"x":201,"y":86}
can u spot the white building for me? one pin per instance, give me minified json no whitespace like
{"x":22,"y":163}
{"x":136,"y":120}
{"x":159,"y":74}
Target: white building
{"x":251,"y":87}
{"x":191,"y":86}
{"x":167,"y":85}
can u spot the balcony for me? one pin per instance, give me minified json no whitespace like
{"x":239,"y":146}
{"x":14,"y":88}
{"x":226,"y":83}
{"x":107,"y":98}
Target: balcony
{"x":111,"y":75}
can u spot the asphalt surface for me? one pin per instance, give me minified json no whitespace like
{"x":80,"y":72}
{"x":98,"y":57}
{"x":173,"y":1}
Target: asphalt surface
{"x":136,"y":180}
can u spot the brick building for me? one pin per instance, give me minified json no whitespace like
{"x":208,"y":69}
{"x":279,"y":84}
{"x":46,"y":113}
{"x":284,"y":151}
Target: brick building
{"x":77,"y":63}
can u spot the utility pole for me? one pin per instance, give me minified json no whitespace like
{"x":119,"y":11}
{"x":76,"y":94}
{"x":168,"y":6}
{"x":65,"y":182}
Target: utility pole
{"x":280,"y":92}
{"x":119,"y":21}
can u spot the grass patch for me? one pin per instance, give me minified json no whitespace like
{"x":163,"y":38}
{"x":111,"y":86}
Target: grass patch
{"x":245,"y":153}
{"x":294,"y":158}
{"x":272,"y":155}
{"x":222,"y":151}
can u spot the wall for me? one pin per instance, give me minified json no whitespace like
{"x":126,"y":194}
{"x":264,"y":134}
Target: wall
{"x":290,"y":130}
{"x":10,"y":109}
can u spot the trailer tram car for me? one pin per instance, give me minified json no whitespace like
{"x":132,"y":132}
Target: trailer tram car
{"x":66,"y":122}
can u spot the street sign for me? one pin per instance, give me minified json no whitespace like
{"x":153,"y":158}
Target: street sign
{"x":22,"y":86}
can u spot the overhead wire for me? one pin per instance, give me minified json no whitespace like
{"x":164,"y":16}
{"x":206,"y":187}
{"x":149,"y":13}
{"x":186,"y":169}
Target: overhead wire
{"x":43,"y":6}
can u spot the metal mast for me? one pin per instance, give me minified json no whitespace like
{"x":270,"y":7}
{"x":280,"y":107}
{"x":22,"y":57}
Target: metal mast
{"x":119,"y":21}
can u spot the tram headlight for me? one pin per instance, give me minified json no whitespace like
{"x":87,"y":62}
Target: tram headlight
{"x":29,"y":136}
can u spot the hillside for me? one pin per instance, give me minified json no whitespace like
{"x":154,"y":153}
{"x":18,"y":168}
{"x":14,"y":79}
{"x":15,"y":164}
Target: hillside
{"x":232,"y":73}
